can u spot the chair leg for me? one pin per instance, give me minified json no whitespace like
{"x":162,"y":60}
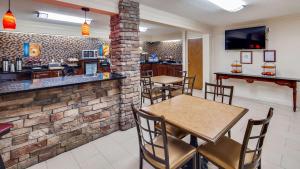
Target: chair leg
{"x":229,"y":134}
{"x":141,"y":162}
{"x":259,"y":166}
{"x":2,"y":166}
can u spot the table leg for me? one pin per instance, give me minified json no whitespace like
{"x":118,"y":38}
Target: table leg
{"x":189,"y":165}
{"x":295,"y":98}
{"x":164,"y":92}
{"x":217,"y":84}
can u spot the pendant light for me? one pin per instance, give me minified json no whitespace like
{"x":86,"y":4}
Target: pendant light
{"x":85,"y":27}
{"x":9,"y":20}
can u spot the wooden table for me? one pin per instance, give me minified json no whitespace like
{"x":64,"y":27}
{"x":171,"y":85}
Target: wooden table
{"x":166,"y":80}
{"x":202,"y":118}
{"x":283,"y":81}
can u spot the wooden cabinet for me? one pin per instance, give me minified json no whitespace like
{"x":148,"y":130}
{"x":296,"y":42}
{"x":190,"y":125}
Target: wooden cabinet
{"x":163,"y":69}
{"x":40,"y":75}
{"x":46,"y":74}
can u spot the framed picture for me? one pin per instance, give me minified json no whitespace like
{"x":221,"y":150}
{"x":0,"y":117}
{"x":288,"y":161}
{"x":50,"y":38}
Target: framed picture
{"x":269,"y":55}
{"x":246,"y":57}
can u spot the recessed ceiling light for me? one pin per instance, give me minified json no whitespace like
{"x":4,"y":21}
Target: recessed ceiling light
{"x":143,"y":29}
{"x":61,"y":17}
{"x":230,"y":5}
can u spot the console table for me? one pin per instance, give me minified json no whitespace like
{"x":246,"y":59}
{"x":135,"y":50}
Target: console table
{"x":283,"y":81}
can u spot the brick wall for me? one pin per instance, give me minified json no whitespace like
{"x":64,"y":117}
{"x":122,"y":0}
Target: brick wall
{"x":50,"y":122}
{"x":125,"y":57}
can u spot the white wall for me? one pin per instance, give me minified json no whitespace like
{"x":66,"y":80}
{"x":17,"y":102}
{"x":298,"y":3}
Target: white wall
{"x":284,"y":36}
{"x":161,"y":37}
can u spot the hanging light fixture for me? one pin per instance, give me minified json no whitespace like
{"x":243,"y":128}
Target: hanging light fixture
{"x":9,"y":20}
{"x":85,"y":27}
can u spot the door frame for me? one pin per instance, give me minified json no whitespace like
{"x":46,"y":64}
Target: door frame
{"x":207,"y":77}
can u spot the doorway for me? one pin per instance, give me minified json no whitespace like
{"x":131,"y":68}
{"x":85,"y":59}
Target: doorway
{"x":195,"y":61}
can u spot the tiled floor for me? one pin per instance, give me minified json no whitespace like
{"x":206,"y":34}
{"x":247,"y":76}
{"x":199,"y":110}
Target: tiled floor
{"x":120,"y":149}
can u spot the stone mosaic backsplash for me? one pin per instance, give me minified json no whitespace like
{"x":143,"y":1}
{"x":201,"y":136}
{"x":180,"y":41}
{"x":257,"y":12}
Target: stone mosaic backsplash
{"x":165,"y":49}
{"x":55,"y":47}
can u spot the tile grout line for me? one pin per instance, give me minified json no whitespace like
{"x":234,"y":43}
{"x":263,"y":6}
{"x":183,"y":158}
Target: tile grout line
{"x":105,"y":158}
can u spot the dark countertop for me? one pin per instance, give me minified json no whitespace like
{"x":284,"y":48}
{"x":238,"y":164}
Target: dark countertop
{"x":160,"y":63}
{"x":31,"y":70}
{"x":41,"y":84}
{"x":258,"y":76}
{"x":16,"y":72}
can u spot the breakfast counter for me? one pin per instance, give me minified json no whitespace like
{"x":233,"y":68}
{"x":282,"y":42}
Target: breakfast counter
{"x":47,"y":83}
{"x":53,"y":115}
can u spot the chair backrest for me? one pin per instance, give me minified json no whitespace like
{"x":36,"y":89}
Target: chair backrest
{"x":188,"y":85}
{"x":219,"y":91}
{"x":146,"y":136}
{"x":147,"y":73}
{"x":259,"y":140}
{"x":160,"y":93}
{"x":183,"y":73}
{"x":146,"y":82}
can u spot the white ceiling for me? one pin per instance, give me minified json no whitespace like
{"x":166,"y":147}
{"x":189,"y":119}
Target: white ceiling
{"x":158,"y":29}
{"x":24,"y":11}
{"x":200,"y":10}
{"x":206,"y":12}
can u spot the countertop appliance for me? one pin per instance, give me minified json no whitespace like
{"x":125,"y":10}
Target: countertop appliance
{"x":153,"y":58}
{"x":5,"y":65}
{"x":12,"y":67}
{"x":19,"y":64}
{"x":89,"y":54}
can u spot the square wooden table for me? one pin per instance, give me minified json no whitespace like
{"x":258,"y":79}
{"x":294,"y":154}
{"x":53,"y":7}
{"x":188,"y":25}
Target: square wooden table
{"x":201,"y":118}
{"x":166,"y":80}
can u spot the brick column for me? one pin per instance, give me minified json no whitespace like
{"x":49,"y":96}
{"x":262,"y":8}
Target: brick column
{"x":125,"y":57}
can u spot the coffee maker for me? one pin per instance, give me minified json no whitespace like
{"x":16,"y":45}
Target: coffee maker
{"x":19,"y":64}
{"x":5,"y":65}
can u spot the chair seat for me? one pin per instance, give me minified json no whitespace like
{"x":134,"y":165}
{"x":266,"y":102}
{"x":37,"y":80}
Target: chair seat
{"x":174,"y":131}
{"x":176,"y":92}
{"x":155,"y":93}
{"x":5,"y":128}
{"x":179,"y":152}
{"x":225,"y":153}
{"x":176,"y":87}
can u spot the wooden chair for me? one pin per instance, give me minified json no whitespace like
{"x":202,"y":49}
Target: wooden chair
{"x":153,"y":93}
{"x":177,"y":86}
{"x":147,"y":73}
{"x":229,"y":154}
{"x":4,"y":129}
{"x":162,"y":152}
{"x":186,"y":88}
{"x":222,"y":94}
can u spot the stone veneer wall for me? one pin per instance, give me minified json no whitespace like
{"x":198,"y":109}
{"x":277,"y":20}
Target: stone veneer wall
{"x":165,"y":49}
{"x":52,"y":121}
{"x":55,"y":47}
{"x":125,"y":57}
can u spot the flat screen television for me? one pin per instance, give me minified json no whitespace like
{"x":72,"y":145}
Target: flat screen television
{"x":247,"y":38}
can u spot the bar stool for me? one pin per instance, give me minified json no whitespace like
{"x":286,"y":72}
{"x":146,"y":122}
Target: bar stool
{"x":4,"y":129}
